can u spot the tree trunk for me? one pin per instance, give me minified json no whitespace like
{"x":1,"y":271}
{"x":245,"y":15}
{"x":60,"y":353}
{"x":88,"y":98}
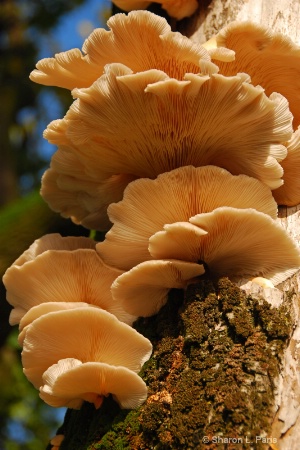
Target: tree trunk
{"x":224,"y":371}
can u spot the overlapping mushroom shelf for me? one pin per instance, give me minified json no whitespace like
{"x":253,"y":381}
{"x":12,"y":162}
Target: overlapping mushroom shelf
{"x":76,"y":344}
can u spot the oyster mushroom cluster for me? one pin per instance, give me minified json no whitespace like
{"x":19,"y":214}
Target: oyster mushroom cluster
{"x":182,"y":159}
{"x":77,"y":341}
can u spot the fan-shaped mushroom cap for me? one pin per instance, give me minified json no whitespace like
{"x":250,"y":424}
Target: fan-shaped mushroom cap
{"x":270,"y":58}
{"x":174,"y":197}
{"x":45,"y":308}
{"x":175,"y":8}
{"x":62,"y":276}
{"x":140,"y":40}
{"x":143,"y":290}
{"x":87,"y":334}
{"x":183,"y":123}
{"x":70,"y":382}
{"x":54,"y":241}
{"x":289,"y":193}
{"x":237,"y":243}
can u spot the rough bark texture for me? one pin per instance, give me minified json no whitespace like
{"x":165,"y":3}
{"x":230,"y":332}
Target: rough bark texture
{"x":226,"y":361}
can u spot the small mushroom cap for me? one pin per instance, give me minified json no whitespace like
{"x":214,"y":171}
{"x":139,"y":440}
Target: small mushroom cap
{"x":140,"y":40}
{"x":129,"y":5}
{"x":263,"y":282}
{"x":179,"y":8}
{"x":170,"y":135}
{"x":174,"y":197}
{"x":70,"y":382}
{"x":44,"y":308}
{"x":289,"y":193}
{"x":239,"y":242}
{"x":57,"y":440}
{"x":144,"y":289}
{"x":62,"y":276}
{"x":54,"y":241}
{"x":270,"y":58}
{"x":175,"y":8}
{"x":87,"y":334}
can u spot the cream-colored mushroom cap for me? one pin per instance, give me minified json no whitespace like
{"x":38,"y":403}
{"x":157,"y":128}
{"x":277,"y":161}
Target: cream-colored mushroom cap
{"x":237,"y":243}
{"x":140,"y":40}
{"x":62,"y":276}
{"x":270,"y":58}
{"x":143,"y":290}
{"x":175,"y":197}
{"x":289,"y":193}
{"x":45,"y":308}
{"x":87,"y":334}
{"x":146,"y":124}
{"x":54,"y":241}
{"x":175,"y":8}
{"x":70,"y":382}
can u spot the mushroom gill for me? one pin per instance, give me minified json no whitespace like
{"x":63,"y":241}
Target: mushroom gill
{"x":140,"y":125}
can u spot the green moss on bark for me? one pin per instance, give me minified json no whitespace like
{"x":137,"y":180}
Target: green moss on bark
{"x":216,"y":355}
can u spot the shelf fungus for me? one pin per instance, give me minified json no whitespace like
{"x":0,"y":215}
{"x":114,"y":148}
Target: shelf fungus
{"x":70,"y":382}
{"x":175,"y":197}
{"x":87,"y":334}
{"x":78,"y":275}
{"x":140,"y":40}
{"x":143,"y":290}
{"x":270,"y":58}
{"x":141,"y":125}
{"x":179,"y":9}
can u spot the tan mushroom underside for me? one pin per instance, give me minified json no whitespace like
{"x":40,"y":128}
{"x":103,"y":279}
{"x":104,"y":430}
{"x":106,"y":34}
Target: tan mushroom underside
{"x":237,"y":243}
{"x":62,"y":276}
{"x":70,"y":382}
{"x":144,"y":289}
